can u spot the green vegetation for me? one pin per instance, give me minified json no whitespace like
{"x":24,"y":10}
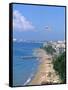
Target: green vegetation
{"x":59,"y":62}
{"x":60,"y":66}
{"x":49,"y":49}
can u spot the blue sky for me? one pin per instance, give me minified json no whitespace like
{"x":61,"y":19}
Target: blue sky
{"x":32,"y":22}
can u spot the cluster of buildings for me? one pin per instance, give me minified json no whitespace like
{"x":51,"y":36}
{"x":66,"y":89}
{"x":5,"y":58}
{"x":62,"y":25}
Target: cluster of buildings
{"x":59,"y":46}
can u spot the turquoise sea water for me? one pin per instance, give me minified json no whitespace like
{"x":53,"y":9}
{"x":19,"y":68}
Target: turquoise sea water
{"x":24,"y":69}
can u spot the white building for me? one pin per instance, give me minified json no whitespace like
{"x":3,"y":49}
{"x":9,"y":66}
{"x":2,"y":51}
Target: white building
{"x":59,"y":46}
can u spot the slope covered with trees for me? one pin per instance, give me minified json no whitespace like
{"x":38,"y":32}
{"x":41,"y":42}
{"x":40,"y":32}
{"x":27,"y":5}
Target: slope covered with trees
{"x":60,"y":66}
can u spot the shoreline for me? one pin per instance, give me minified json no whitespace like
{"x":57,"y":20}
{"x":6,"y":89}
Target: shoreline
{"x":45,"y":73}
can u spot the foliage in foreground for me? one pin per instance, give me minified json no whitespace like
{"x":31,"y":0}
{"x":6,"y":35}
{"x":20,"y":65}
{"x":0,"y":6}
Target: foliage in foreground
{"x":60,"y":66}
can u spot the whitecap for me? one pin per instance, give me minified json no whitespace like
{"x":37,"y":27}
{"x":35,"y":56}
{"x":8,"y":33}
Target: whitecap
{"x":29,"y":79}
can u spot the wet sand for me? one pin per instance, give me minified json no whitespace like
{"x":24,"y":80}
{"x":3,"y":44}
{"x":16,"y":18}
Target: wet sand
{"x":45,"y":73}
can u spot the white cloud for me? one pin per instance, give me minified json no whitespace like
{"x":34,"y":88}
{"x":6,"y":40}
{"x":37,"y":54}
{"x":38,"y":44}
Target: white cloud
{"x":20,"y":22}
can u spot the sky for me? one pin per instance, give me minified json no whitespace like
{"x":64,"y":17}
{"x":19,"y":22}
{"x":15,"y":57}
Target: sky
{"x":32,"y":22}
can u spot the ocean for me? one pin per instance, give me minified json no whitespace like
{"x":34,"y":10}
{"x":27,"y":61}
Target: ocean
{"x":24,"y":69}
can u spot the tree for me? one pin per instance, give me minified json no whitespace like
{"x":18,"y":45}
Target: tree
{"x":60,"y":66}
{"x":49,"y":49}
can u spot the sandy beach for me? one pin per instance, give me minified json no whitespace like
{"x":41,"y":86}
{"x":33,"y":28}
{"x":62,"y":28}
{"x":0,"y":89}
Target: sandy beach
{"x":45,"y":73}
